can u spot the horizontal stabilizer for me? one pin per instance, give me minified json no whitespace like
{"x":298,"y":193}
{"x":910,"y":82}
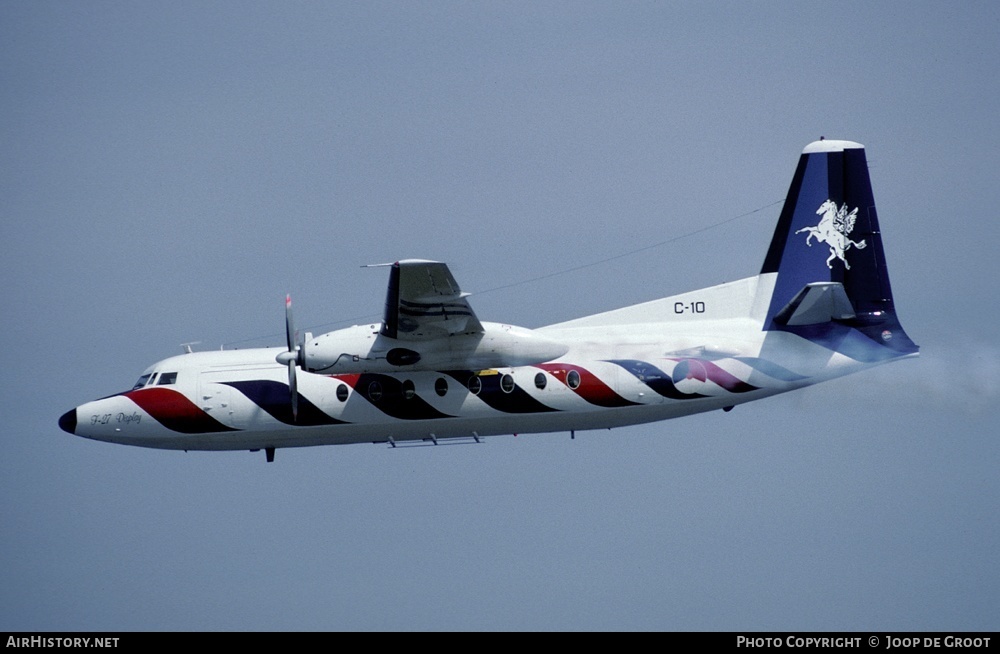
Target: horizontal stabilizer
{"x":817,"y":303}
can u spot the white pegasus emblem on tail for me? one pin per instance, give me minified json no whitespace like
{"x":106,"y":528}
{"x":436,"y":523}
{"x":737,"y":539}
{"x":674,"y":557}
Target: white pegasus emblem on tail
{"x":833,"y":229}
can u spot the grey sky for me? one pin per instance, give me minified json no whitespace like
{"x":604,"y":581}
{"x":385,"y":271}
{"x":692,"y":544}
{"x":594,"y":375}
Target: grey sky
{"x":171,"y":170}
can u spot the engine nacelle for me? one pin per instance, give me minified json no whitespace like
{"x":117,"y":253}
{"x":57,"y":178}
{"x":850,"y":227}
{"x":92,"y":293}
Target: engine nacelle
{"x":363,"y":348}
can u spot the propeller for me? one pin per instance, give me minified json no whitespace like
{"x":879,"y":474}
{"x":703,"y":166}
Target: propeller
{"x":294,"y":357}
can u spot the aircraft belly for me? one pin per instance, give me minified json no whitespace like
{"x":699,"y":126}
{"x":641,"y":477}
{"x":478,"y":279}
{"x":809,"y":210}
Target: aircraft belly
{"x":400,"y":431}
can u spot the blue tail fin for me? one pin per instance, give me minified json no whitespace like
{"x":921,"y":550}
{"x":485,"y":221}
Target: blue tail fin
{"x":827,"y":253}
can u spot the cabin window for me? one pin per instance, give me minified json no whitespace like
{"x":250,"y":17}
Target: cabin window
{"x":573,"y":379}
{"x":167,"y":378}
{"x":540,"y":381}
{"x":142,"y":381}
{"x":475,"y":385}
{"x":507,"y":384}
{"x":441,"y":386}
{"x":374,"y":391}
{"x":342,"y":392}
{"x":408,"y":390}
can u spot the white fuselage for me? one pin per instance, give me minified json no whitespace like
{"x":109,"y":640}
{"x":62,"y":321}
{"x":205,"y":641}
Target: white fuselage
{"x":696,"y":355}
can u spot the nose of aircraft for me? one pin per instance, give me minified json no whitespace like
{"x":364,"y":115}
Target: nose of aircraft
{"x":67,"y":421}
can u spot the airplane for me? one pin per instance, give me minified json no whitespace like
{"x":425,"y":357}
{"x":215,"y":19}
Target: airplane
{"x":431,"y":371}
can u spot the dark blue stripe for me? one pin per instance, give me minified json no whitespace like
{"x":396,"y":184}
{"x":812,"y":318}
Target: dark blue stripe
{"x":655,"y":378}
{"x":771,"y":369}
{"x":392,"y":401}
{"x":517,"y":401}
{"x":275,"y":398}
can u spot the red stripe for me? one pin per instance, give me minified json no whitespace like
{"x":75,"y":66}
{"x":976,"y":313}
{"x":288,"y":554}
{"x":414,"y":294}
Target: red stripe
{"x":174,"y":411}
{"x":350,"y":380}
{"x":591,"y":388}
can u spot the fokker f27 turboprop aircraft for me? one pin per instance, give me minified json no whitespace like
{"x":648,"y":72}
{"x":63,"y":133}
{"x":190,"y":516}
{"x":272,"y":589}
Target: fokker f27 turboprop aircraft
{"x":820,"y":308}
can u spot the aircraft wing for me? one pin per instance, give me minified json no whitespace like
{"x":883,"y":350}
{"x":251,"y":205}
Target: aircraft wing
{"x":425,"y":302}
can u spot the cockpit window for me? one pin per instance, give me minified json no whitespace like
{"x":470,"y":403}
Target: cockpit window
{"x":142,"y":381}
{"x":167,"y":378}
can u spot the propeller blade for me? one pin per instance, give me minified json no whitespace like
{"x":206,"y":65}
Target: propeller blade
{"x":293,"y":389}
{"x":291,"y":358}
{"x":289,"y":324}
